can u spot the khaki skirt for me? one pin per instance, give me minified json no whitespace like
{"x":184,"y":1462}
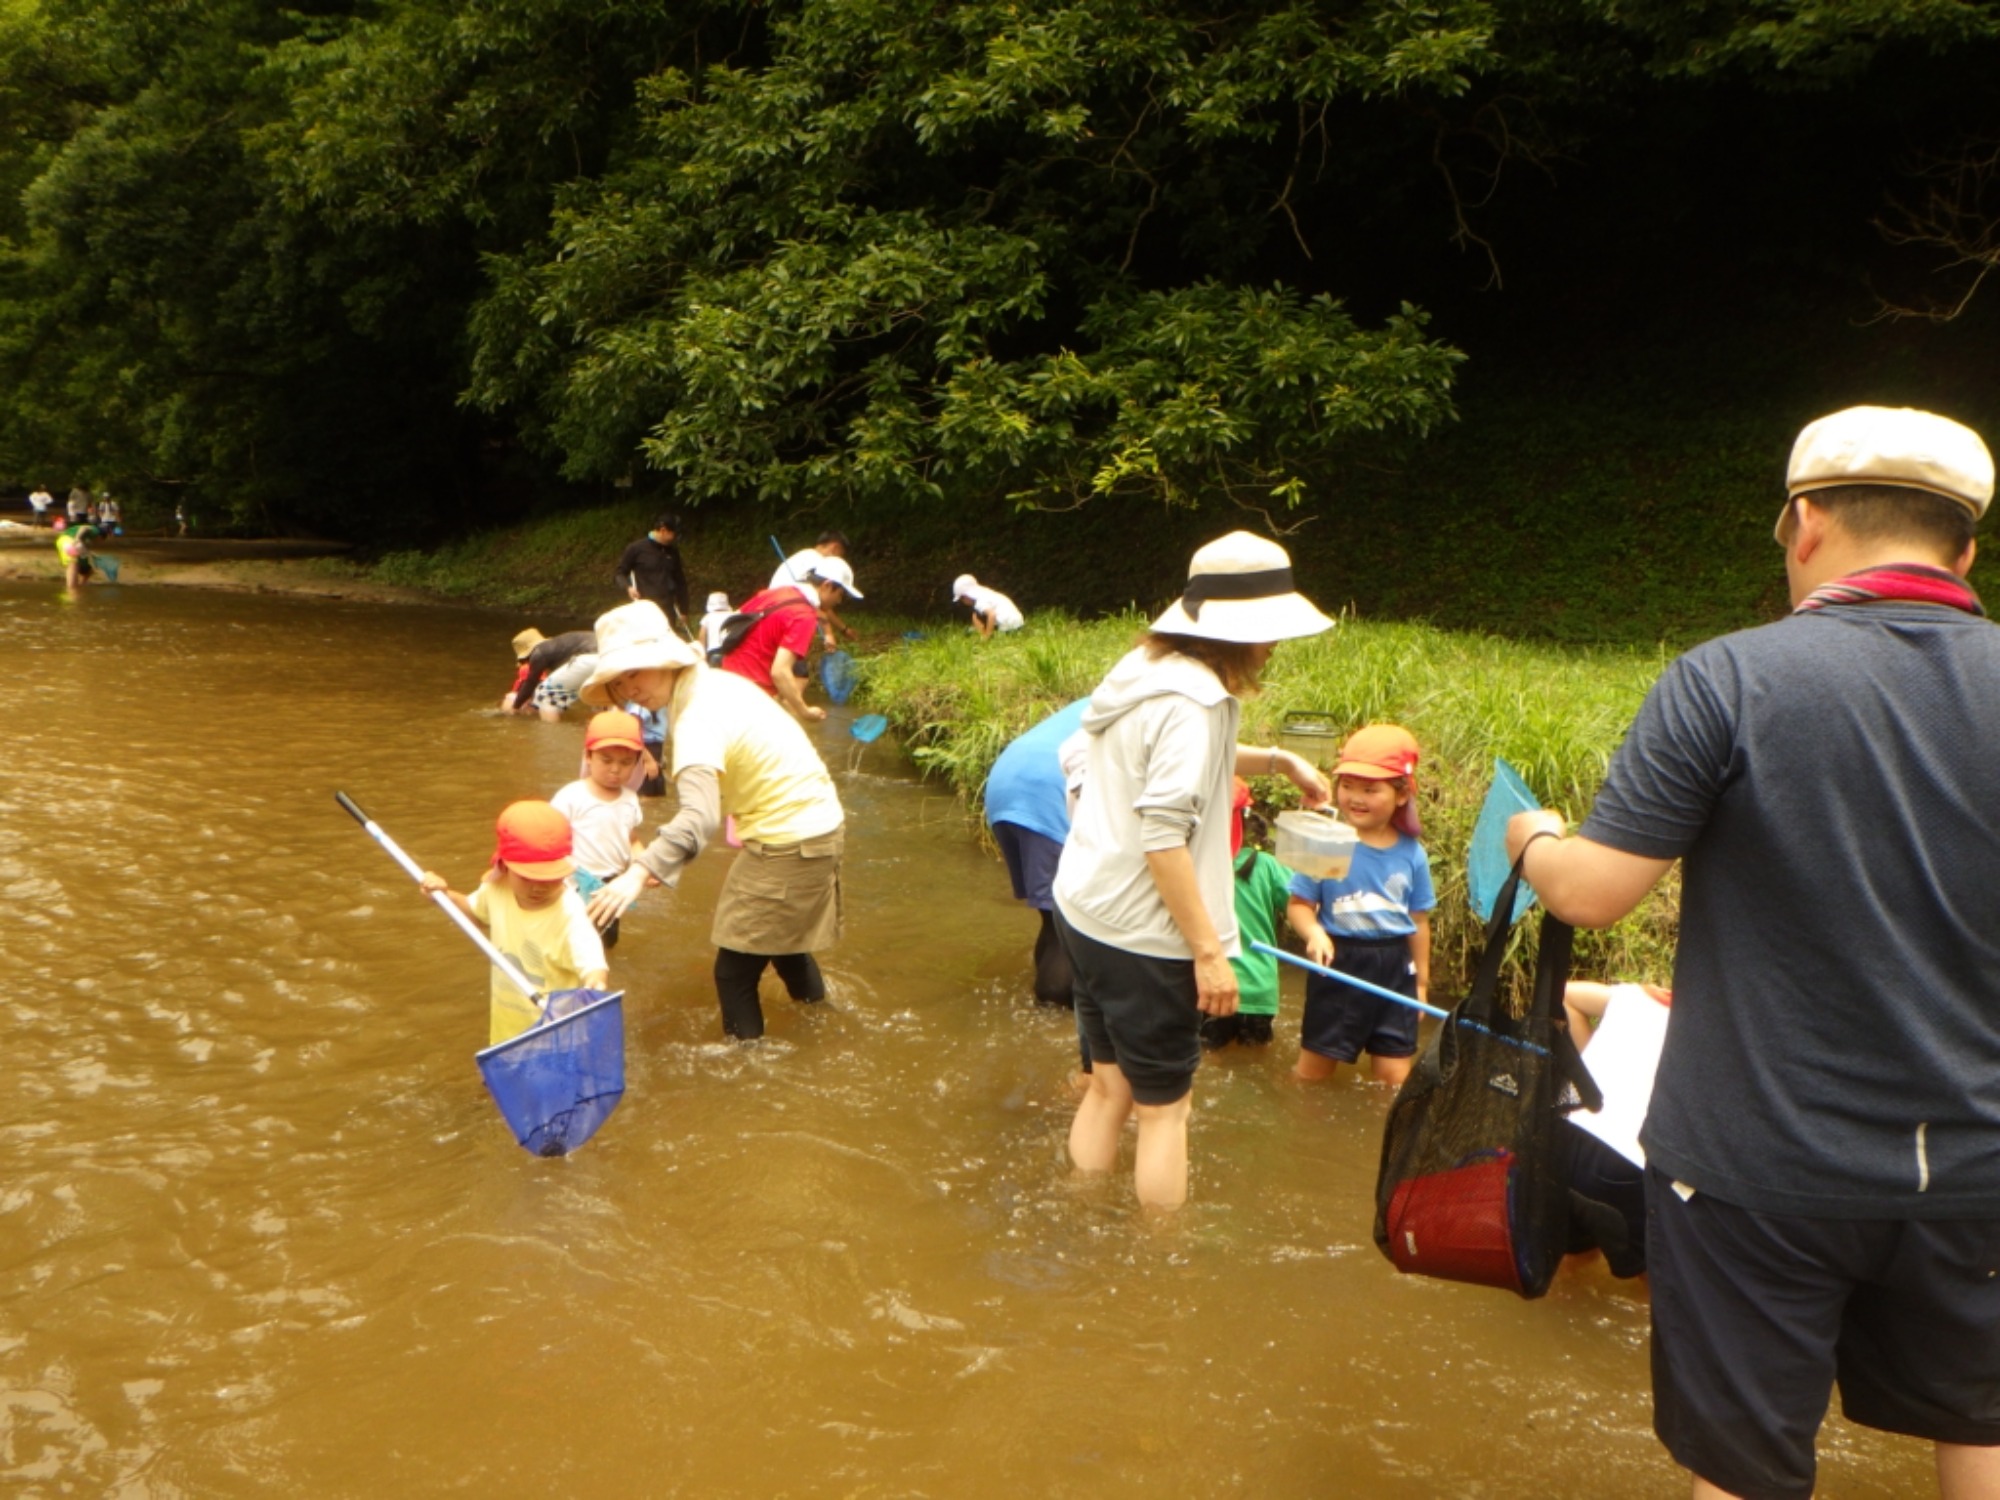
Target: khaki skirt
{"x":781,"y":899}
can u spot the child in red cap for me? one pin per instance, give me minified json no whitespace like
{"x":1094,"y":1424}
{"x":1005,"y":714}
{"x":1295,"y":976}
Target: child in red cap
{"x":1375,"y":923}
{"x":602,"y":808}
{"x":533,"y":913}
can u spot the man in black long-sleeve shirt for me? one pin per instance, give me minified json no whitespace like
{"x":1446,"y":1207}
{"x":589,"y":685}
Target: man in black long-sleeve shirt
{"x":651,"y":569}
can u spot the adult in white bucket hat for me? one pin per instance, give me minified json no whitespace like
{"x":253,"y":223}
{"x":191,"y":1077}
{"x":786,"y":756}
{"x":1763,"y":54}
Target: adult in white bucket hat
{"x":735,"y":750}
{"x":1144,"y":903}
{"x":1823,"y":1140}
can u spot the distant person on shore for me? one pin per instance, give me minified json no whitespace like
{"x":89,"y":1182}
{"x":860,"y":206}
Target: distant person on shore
{"x":180,"y":518}
{"x":78,"y":505}
{"x":602,"y":807}
{"x":734,"y":752}
{"x":1263,"y":896}
{"x":541,"y":658}
{"x":1823,"y":1141}
{"x":1375,"y":923}
{"x":772,"y":652}
{"x":533,"y":914}
{"x":651,"y":568}
{"x":991,"y":610}
{"x":73,"y":547}
{"x":719,"y":610}
{"x":1144,"y":899}
{"x":109,"y":516}
{"x":1027,"y":807}
{"x":800,"y":567}
{"x":39,"y":502}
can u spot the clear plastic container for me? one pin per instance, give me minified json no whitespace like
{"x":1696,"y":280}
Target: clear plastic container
{"x":1315,"y":845}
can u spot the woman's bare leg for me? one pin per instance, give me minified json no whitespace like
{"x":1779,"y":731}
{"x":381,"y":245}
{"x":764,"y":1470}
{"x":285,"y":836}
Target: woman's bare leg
{"x":1161,"y":1171}
{"x":1100,"y":1119}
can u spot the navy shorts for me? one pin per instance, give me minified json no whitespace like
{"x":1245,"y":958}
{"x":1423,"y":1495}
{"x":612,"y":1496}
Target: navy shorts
{"x":1138,"y":1013}
{"x":1031,"y":863}
{"x":1756,"y":1316}
{"x":1342,"y":1022}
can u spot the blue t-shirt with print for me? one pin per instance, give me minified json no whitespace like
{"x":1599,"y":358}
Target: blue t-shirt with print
{"x":1382,"y":889}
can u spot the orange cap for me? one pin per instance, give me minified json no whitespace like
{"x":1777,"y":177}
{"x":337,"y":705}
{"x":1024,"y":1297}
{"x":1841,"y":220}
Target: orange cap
{"x":533,"y":841}
{"x":613,"y":727}
{"x":1238,"y":801}
{"x":1384,"y":752}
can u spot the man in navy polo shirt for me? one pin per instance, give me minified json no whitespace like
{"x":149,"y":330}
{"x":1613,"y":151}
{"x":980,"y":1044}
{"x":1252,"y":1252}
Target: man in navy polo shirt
{"x":1823,"y":1147}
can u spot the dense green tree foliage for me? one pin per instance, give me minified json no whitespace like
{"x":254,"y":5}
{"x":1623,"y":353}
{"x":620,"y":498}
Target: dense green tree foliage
{"x":383,"y":267}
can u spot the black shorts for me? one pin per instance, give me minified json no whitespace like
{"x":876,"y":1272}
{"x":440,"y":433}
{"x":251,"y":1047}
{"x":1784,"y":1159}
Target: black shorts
{"x":1248,"y":1031}
{"x":1755,"y":1316}
{"x":1342,"y":1022}
{"x":1138,"y":1013}
{"x":1031,"y":863}
{"x":1600,"y":1174}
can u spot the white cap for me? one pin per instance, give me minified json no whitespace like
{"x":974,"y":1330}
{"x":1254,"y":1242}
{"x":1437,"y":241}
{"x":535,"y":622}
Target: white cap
{"x":835,"y":570}
{"x":1894,"y":446}
{"x":963,"y":585}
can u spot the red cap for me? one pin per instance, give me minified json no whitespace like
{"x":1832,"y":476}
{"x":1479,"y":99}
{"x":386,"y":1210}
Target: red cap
{"x":612,"y":727}
{"x":1384,"y":752}
{"x":533,"y":841}
{"x":1237,"y":804}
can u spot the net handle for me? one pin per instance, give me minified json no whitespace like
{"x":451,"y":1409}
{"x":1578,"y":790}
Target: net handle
{"x":444,"y":903}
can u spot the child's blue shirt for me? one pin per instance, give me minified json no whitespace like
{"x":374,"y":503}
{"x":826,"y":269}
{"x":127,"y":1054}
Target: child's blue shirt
{"x":1382,"y":891}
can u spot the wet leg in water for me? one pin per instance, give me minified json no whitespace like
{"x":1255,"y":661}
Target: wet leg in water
{"x":1160,"y":1170}
{"x":736,"y":976}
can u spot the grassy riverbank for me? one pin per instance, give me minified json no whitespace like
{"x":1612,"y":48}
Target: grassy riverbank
{"x":1554,"y":712}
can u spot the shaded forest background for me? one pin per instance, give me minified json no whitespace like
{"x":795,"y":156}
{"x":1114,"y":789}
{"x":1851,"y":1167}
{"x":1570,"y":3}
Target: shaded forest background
{"x":1501,"y":312}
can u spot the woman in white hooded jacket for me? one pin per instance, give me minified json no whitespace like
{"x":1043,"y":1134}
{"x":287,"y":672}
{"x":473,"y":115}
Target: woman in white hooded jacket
{"x":1144,"y":902}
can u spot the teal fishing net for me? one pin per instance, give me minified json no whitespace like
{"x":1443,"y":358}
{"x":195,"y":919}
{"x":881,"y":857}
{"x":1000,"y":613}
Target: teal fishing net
{"x":836,"y":675}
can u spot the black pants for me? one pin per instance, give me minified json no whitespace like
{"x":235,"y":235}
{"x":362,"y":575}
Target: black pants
{"x":1055,"y":980}
{"x":736,"y":976}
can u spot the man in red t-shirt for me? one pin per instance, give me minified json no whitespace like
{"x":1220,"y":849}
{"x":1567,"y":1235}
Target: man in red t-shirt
{"x":769,"y":651}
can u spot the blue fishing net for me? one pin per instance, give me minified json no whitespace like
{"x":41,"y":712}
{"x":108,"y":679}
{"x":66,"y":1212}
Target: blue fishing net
{"x":1486,"y":866}
{"x":836,"y":675}
{"x":559,"y":1080}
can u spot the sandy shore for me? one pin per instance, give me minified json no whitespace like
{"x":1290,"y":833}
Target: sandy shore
{"x":279,"y":566}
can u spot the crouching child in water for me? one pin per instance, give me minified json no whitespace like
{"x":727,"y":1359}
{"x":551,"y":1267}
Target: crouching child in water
{"x":533,"y":914}
{"x":1375,"y":923}
{"x":601,"y":806}
{"x":1262,"y":890}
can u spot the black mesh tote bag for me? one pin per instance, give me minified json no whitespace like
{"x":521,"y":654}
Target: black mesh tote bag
{"x":1473,"y":1185}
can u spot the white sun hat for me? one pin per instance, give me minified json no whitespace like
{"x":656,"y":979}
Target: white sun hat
{"x":1897,"y":446}
{"x":633,"y":638}
{"x":835,"y":570}
{"x":1239,"y":589}
{"x":963,"y":585}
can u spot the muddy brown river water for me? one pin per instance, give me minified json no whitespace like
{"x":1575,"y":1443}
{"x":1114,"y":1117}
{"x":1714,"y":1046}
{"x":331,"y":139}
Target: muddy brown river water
{"x":261,"y":1232}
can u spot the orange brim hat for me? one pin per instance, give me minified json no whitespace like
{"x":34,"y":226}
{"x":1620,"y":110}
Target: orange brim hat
{"x":533,"y":840}
{"x":1385,"y":752}
{"x":613,"y":727}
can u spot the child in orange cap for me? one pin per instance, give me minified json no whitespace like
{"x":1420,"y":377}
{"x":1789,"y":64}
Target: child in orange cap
{"x":602,"y":808}
{"x":1375,"y":923}
{"x":533,"y":913}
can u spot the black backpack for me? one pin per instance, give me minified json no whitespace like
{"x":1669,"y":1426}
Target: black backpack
{"x":740,"y":624}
